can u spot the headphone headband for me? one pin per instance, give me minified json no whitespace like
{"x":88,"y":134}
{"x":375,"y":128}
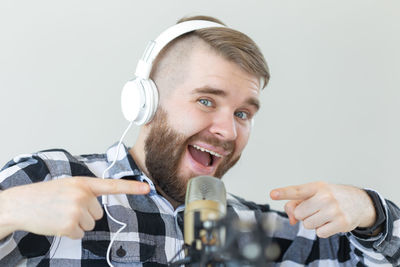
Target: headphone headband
{"x":139,"y":97}
{"x":154,"y":47}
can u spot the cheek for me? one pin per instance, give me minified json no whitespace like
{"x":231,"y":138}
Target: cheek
{"x":187,"y":121}
{"x":243,"y":138}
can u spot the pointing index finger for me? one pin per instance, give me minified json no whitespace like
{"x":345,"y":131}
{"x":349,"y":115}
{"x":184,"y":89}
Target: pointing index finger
{"x":117,"y":186}
{"x":294,"y":192}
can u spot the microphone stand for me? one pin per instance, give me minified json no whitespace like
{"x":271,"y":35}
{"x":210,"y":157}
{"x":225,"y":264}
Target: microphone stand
{"x":202,"y":251}
{"x":246,"y":244}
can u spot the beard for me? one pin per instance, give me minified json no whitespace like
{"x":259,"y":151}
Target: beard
{"x":164,"y":149}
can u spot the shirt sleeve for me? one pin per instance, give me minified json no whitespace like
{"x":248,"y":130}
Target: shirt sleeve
{"x":300,"y":246}
{"x":16,"y":247}
{"x":386,"y":245}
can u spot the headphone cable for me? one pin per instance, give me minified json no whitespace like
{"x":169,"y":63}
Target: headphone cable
{"x":104,"y":198}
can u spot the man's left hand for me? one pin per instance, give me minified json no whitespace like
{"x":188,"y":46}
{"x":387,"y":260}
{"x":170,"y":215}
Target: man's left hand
{"x":327,"y":208}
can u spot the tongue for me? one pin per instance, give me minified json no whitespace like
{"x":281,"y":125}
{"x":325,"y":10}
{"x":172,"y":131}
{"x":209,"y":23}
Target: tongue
{"x":204,"y":158}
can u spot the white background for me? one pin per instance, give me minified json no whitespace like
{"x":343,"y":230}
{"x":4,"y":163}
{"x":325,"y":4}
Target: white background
{"x":331,"y":111}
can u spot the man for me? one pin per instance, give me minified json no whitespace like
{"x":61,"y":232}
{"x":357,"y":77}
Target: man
{"x":209,"y":83}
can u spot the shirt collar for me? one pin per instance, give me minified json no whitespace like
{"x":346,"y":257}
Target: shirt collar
{"x":124,"y":165}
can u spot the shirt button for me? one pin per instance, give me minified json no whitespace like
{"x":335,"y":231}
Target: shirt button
{"x":121,"y":252}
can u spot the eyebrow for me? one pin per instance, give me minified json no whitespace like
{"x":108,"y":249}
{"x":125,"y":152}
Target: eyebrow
{"x":218,"y":92}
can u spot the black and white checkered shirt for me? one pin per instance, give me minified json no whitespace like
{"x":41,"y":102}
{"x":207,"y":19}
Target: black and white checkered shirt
{"x":154,"y":232}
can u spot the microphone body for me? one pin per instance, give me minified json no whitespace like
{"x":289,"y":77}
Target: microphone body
{"x":205,"y":201}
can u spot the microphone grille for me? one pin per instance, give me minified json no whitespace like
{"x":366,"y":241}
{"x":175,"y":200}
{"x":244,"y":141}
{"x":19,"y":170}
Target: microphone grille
{"x":206,"y":188}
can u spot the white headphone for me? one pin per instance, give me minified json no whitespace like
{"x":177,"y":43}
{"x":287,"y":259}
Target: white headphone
{"x":139,"y":97}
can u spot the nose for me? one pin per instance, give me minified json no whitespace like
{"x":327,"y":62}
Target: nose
{"x":224,"y":126}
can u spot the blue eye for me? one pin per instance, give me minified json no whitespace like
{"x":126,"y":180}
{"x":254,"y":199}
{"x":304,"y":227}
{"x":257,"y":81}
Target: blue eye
{"x":205,"y":102}
{"x":241,"y":115}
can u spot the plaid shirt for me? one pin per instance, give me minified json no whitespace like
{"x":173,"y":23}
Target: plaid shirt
{"x":154,"y":231}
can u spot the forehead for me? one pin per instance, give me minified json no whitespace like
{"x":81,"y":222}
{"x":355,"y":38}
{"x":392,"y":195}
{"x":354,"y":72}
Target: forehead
{"x":207,"y":69}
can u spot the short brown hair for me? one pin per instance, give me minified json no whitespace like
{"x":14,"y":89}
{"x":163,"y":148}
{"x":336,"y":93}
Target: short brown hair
{"x":234,"y":46}
{"x":231,"y":44}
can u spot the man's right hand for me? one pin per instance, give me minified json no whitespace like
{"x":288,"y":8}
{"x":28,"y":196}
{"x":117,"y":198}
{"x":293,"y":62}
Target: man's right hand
{"x":64,"y":207}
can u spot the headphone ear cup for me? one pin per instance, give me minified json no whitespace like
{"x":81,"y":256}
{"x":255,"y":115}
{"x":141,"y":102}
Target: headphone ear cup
{"x":132,"y":99}
{"x":139,"y":100}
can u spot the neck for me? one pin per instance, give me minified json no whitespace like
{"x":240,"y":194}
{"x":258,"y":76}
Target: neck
{"x":173,"y":203}
{"x":138,"y":155}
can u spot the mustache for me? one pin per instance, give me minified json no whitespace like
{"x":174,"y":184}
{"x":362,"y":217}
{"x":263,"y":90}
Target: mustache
{"x":228,"y":146}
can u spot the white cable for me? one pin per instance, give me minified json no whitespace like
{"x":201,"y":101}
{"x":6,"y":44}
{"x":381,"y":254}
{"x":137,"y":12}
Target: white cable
{"x":104,"y":198}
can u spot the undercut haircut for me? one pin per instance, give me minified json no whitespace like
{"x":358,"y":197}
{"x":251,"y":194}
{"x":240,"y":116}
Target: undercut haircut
{"x":231,"y":44}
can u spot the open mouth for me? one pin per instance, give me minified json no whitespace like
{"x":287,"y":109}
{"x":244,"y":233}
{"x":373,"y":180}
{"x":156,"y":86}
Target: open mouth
{"x":204,"y":157}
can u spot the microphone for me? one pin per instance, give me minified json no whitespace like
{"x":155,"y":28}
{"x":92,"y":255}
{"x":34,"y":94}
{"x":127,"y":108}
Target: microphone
{"x":206,"y":223}
{"x":205,"y":203}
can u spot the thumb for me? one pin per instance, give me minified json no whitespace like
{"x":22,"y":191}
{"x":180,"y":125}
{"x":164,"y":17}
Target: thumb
{"x":290,"y":206}
{"x":116,"y":186}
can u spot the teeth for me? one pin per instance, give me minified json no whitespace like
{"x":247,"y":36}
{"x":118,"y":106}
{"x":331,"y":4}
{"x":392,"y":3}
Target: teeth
{"x":205,"y":150}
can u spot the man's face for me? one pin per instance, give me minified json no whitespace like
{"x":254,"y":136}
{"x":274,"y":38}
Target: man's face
{"x":202,"y":125}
